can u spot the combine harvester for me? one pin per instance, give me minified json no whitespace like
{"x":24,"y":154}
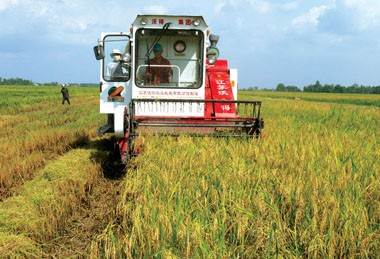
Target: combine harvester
{"x":192,"y":92}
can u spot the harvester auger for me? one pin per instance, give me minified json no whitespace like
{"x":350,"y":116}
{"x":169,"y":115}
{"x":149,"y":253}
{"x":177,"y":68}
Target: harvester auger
{"x":164,"y":77}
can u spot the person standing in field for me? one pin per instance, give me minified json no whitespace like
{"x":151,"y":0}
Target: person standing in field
{"x":65,"y":94}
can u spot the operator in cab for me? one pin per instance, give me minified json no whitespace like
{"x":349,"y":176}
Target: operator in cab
{"x":116,"y":69}
{"x":161,"y":73}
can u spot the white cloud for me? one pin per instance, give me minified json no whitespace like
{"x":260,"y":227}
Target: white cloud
{"x":290,"y":6}
{"x":60,"y":21}
{"x":6,"y":4}
{"x":219,"y":6}
{"x":311,"y":18}
{"x":275,"y":30}
{"x":261,"y":6}
{"x":155,"y":9}
{"x":240,"y":23}
{"x":367,"y":12}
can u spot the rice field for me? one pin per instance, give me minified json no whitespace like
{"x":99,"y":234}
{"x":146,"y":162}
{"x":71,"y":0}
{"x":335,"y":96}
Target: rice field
{"x":35,"y":127}
{"x":311,"y":188}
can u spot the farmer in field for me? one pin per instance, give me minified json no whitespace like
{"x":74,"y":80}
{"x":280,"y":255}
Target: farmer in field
{"x":65,"y":94}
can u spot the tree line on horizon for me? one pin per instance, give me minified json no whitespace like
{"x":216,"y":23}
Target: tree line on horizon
{"x":331,"y":88}
{"x":15,"y":81}
{"x":21,"y":81}
{"x":317,"y":87}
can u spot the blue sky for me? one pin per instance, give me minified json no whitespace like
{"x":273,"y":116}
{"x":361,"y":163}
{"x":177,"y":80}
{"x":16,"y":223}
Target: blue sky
{"x":294,"y":42}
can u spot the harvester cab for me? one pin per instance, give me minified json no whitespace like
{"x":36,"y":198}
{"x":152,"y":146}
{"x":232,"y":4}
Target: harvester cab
{"x":165,"y":76}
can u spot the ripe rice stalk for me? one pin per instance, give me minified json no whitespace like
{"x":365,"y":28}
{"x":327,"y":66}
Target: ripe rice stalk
{"x":38,"y":214}
{"x":37,"y":128}
{"x":307,"y":190}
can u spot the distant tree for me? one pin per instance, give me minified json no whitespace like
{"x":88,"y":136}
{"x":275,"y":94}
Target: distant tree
{"x":375,"y":90}
{"x":283,"y":88}
{"x":51,"y":83}
{"x":292,"y":89}
{"x":355,"y":88}
{"x":315,"y":88}
{"x":338,"y":89}
{"x":15,"y":81}
{"x":280,"y":87}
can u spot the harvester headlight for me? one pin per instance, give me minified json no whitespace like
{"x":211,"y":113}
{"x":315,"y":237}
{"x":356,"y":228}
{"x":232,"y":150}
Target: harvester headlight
{"x":213,"y":39}
{"x":196,"y":22}
{"x":212,"y":51}
{"x":144,"y":21}
{"x":211,"y":59}
{"x":212,"y":55}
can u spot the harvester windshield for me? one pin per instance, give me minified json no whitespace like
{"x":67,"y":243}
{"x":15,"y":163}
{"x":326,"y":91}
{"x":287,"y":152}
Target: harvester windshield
{"x":168,"y":58}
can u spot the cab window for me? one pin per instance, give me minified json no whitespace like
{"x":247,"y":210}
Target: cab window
{"x":116,"y":67}
{"x":168,"y":59}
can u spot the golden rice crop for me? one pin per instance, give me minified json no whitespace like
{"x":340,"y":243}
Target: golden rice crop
{"x":344,"y":98}
{"x":31,"y":220}
{"x":310,"y":189}
{"x":35,"y":127}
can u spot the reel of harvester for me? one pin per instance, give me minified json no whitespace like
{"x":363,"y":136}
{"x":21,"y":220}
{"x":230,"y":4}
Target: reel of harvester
{"x":248,"y":125}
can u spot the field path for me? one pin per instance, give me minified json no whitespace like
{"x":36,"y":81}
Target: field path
{"x":96,"y":210}
{"x":65,"y":206}
{"x":88,"y":221}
